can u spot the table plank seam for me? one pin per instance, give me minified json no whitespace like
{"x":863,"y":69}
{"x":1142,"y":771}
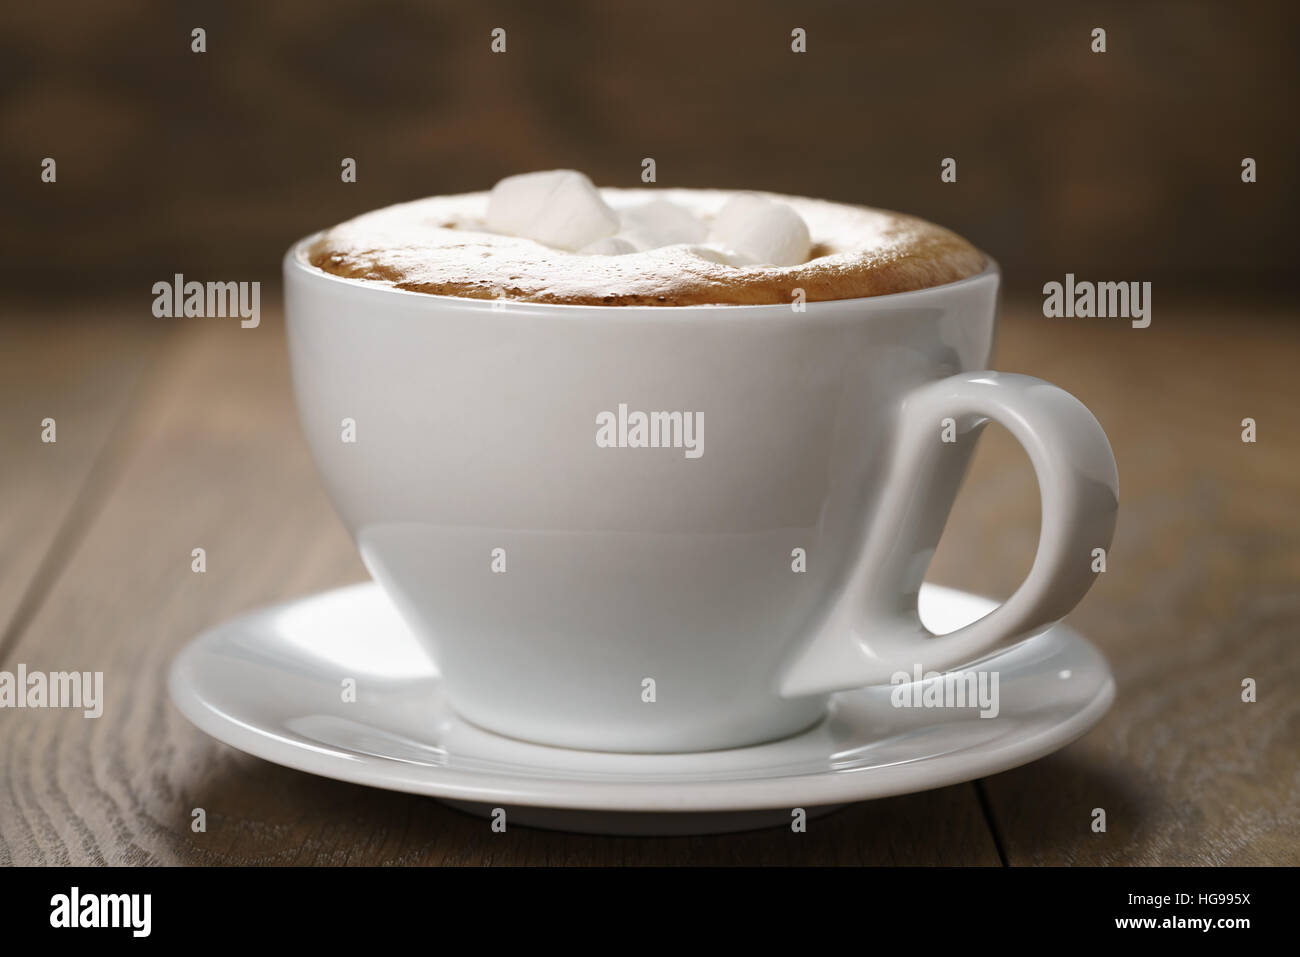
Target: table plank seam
{"x":990,"y":819}
{"x":93,"y":493}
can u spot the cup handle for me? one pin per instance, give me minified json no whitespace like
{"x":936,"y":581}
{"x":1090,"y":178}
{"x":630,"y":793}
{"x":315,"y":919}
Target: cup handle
{"x":875,"y":631}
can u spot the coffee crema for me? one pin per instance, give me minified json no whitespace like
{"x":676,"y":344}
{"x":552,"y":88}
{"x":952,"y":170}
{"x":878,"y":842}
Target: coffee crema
{"x":442,"y":246}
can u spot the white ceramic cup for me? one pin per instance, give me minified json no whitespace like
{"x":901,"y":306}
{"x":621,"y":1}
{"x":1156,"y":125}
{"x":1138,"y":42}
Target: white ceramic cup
{"x":643,"y":598}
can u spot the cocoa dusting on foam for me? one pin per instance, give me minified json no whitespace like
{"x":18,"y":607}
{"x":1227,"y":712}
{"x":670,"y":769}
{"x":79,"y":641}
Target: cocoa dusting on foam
{"x":442,"y":246}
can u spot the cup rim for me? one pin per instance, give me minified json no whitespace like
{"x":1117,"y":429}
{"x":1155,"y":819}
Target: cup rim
{"x":292,"y":260}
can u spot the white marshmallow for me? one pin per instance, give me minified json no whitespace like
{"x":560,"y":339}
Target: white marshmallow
{"x":559,"y":208}
{"x":762,"y":231}
{"x":609,"y":246}
{"x":639,"y":239}
{"x":660,"y":223}
{"x":725,"y":257}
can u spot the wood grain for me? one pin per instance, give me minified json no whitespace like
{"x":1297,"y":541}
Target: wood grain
{"x":79,"y":369}
{"x":214,"y":459}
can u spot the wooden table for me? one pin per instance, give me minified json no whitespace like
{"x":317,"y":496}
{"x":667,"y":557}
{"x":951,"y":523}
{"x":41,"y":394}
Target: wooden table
{"x":177,"y":434}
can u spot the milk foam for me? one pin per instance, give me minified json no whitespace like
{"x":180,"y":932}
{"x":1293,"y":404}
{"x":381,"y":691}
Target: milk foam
{"x":652,"y":246}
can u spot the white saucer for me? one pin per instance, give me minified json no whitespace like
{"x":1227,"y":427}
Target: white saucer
{"x":269,"y":683}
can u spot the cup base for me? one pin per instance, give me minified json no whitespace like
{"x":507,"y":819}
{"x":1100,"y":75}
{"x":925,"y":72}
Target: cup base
{"x":639,"y":824}
{"x":796,"y":717}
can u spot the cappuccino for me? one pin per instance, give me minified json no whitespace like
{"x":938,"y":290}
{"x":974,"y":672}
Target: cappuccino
{"x":534,"y":489}
{"x":553,"y":237}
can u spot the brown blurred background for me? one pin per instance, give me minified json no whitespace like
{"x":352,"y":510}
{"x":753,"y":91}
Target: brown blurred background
{"x":1123,"y":165}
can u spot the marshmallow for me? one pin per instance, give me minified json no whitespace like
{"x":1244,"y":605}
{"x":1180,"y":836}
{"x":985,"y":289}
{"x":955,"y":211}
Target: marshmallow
{"x":609,"y":246}
{"x":660,"y":223}
{"x":649,"y":226}
{"x":724,"y":257}
{"x":559,"y":208}
{"x":761,"y":231}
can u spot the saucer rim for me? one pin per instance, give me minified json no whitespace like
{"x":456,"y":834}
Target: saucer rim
{"x":503,"y":788}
